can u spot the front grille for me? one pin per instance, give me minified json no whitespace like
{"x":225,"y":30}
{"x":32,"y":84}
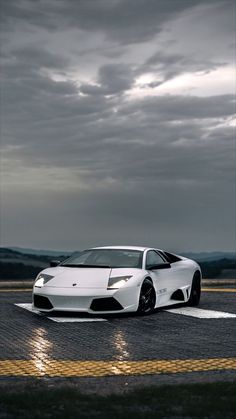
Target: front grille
{"x":106,"y":304}
{"x":42,"y":302}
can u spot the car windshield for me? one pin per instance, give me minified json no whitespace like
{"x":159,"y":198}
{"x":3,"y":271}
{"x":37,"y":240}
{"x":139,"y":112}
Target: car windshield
{"x":106,"y":258}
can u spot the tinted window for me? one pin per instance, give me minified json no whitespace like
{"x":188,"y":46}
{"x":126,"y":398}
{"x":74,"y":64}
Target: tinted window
{"x":112,"y":258}
{"x":171,"y":257}
{"x":163,"y":255}
{"x":153,"y":259}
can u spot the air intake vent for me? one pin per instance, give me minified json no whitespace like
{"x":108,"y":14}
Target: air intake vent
{"x":178,"y":295}
{"x":42,"y":302}
{"x":105,"y":304}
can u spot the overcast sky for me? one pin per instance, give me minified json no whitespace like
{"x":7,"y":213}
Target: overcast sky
{"x":118,"y":124}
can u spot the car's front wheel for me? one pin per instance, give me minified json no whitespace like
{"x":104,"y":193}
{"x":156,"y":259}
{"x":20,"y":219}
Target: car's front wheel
{"x":147,"y":299}
{"x":195,"y":294}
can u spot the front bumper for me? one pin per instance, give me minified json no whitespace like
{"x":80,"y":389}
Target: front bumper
{"x":48,"y":299}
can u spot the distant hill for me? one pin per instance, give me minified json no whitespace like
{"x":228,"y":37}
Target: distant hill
{"x":208,"y":256}
{"x":199,"y":256}
{"x":12,"y":256}
{"x":15,"y":264}
{"x":40,"y":252}
{"x":18,"y":263}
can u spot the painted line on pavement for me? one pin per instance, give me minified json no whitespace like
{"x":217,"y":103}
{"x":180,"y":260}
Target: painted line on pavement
{"x":218,"y":289}
{"x":201,"y":313}
{"x":17,"y":290}
{"x":65,"y":368}
{"x":59,"y":319}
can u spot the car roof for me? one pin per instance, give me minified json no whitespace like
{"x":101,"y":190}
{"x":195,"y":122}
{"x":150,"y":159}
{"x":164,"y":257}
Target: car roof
{"x":142,"y":249}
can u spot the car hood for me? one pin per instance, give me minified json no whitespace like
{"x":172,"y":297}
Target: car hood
{"x":66,"y":277}
{"x":79,"y":277}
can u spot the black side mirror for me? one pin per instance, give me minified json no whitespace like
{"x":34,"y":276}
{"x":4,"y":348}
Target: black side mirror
{"x":54,"y":263}
{"x":164,"y":265}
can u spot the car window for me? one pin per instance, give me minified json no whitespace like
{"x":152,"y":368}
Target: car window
{"x":153,"y":259}
{"x":163,"y":255}
{"x":172,"y":258}
{"x":113,"y":258}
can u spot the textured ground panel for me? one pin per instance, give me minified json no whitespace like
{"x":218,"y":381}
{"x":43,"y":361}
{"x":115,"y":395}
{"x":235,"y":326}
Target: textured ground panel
{"x":152,"y":349}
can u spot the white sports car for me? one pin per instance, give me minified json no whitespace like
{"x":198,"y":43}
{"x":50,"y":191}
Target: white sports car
{"x":118,"y":279}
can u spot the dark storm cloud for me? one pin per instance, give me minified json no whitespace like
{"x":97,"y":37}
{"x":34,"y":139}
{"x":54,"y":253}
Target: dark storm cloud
{"x":112,"y":79}
{"x":40,"y":58}
{"x":126,"y":21}
{"x":184,"y":107}
{"x":106,"y":137}
{"x":80,"y":150}
{"x":92,"y":131}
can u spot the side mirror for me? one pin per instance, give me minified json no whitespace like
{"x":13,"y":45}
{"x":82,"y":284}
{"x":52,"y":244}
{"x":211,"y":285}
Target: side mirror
{"x":164,"y":265}
{"x":54,"y":263}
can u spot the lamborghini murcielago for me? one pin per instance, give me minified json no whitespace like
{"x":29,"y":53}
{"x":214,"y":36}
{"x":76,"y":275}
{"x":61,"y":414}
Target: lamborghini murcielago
{"x":118,"y":279}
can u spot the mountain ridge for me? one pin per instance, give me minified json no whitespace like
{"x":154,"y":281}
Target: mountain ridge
{"x":203,"y":256}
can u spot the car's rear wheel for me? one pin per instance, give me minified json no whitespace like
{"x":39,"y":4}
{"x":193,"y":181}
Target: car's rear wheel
{"x":147,"y":299}
{"x":195,"y":294}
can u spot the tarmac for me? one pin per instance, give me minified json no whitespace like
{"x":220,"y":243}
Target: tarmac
{"x":119,"y":352}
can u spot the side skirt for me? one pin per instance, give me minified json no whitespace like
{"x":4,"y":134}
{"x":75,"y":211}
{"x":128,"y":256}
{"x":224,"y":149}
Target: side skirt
{"x":179,"y":296}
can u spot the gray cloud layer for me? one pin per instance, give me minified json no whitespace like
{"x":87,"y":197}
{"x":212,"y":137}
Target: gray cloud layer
{"x":132,"y":21}
{"x":87,"y":162}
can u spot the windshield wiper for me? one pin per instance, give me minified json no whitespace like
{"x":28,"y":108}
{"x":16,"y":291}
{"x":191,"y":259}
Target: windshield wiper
{"x":81,"y":265}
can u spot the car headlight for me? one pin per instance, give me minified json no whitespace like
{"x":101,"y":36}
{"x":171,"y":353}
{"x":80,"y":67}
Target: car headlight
{"x":117,"y":282}
{"x":42,"y":279}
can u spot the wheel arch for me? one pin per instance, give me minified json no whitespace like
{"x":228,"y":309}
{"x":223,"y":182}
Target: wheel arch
{"x":197,"y":276}
{"x":195,"y":292}
{"x":149,"y":278}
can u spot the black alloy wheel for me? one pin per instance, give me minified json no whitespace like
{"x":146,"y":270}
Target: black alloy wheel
{"x":147,"y":299}
{"x":195,"y":294}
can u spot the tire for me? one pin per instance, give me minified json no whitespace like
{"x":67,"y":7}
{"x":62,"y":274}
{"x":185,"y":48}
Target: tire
{"x":147,"y":299}
{"x":195,"y":294}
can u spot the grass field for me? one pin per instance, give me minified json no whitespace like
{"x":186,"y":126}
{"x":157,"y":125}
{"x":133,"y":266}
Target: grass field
{"x":214,"y":401}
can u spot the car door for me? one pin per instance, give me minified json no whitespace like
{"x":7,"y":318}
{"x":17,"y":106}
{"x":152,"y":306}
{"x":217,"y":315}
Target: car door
{"x":164,"y":280}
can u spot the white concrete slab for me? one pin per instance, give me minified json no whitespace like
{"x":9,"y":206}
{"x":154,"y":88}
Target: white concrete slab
{"x":76,"y":319}
{"x":28,"y":306}
{"x":201,"y":313}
